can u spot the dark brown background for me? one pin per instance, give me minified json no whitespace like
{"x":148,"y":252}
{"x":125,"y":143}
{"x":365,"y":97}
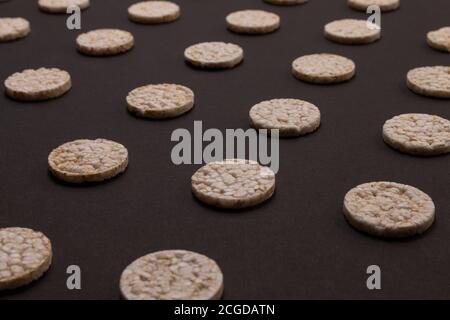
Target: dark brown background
{"x":297,"y":245}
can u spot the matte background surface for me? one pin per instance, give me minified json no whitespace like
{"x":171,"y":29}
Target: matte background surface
{"x":296,"y":246}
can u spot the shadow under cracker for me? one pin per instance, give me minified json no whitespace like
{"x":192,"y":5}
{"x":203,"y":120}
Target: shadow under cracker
{"x":233,"y":211}
{"x":83,"y":185}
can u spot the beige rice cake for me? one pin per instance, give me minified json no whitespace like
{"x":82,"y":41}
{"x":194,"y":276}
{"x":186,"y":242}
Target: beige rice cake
{"x":286,"y":2}
{"x":389,"y":210}
{"x":37,"y":85}
{"x":253,"y":22}
{"x":160,"y":101}
{"x":430,"y":81}
{"x":418,"y":134}
{"x":323,"y":68}
{"x":13,"y":29}
{"x":172,"y":275}
{"x":385,"y":5}
{"x":153,"y":12}
{"x":352,"y":31}
{"x":292,"y":117}
{"x":439,"y":39}
{"x":60,"y":6}
{"x":88,"y":160}
{"x":105,"y":42}
{"x":233,"y":184}
{"x":25,"y":255}
{"x":214,"y":55}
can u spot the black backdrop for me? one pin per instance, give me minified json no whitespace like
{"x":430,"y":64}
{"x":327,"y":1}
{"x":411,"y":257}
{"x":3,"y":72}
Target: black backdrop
{"x":297,"y":245}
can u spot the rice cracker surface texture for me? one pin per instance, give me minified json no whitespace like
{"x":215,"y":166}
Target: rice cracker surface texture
{"x":430,"y":81}
{"x":385,"y":5}
{"x":88,"y":160}
{"x":418,"y":134}
{"x":233,"y":184}
{"x":25,"y":255}
{"x":13,"y":29}
{"x":323,"y":68}
{"x":160,"y":101}
{"x":214,"y":55}
{"x":105,"y":42}
{"x":389,"y":210}
{"x":154,"y":12}
{"x":292,"y":117}
{"x":253,"y":22}
{"x":439,"y":39}
{"x":61,"y":6}
{"x":37,"y":85}
{"x":352,"y":31}
{"x":172,"y":275}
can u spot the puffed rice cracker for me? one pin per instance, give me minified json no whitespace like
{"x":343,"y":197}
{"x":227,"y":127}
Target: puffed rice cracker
{"x":88,"y":160}
{"x":352,"y":31}
{"x":13,"y":29}
{"x":25,"y":255}
{"x":323,"y":68}
{"x":37,"y":85}
{"x":154,"y":12}
{"x":439,"y":39}
{"x":233,"y":183}
{"x":60,"y":6}
{"x":172,"y":275}
{"x":253,"y":22}
{"x":430,"y":81}
{"x":388,"y":209}
{"x":160,"y":101}
{"x":385,"y":5}
{"x":214,"y":55}
{"x":286,"y":2}
{"x":105,"y":42}
{"x":418,"y":134}
{"x":292,"y":117}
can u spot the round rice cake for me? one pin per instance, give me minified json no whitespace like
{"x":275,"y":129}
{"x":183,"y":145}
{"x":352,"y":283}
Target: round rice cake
{"x":172,"y":275}
{"x":323,"y":68}
{"x":151,"y":12}
{"x":160,"y":101}
{"x":13,"y":29}
{"x":105,"y":42}
{"x":88,"y":160}
{"x":352,"y":31}
{"x":286,"y":2}
{"x":61,"y":6}
{"x":253,"y":22}
{"x":430,"y":81}
{"x":214,"y":55}
{"x":292,"y":117}
{"x":37,"y":85}
{"x":439,"y":39}
{"x":233,"y":183}
{"x":385,"y":5}
{"x":388,"y":209}
{"x":418,"y":134}
{"x":25,"y":255}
